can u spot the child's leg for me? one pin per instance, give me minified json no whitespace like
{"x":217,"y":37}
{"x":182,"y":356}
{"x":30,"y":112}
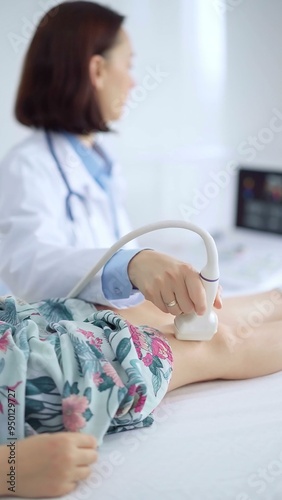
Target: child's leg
{"x":248,"y":342}
{"x":228,"y":356}
{"x":257,"y":308}
{"x":191,"y":363}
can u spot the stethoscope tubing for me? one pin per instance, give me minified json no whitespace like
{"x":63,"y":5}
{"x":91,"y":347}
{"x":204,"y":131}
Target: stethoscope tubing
{"x":71,"y":193}
{"x":64,"y":177}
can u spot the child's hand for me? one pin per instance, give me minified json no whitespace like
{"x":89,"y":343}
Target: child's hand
{"x":50,"y":465}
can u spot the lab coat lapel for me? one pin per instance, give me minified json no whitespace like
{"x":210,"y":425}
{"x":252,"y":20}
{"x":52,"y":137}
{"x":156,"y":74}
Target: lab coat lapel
{"x":98,"y":220}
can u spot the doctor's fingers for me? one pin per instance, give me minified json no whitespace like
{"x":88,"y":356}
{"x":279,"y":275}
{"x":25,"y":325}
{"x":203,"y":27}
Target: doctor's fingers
{"x":182,"y":284}
{"x":218,"y":299}
{"x":177,"y":292}
{"x":196,"y":292}
{"x":155,"y":296}
{"x":177,"y":300}
{"x":190,"y":294}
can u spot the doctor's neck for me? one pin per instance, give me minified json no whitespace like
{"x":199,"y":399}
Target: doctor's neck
{"x":87,"y":139}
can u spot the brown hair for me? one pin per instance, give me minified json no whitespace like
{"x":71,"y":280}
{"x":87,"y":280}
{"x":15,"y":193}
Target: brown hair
{"x":55,"y":91}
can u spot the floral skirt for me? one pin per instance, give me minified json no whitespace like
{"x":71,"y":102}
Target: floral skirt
{"x":64,"y":366}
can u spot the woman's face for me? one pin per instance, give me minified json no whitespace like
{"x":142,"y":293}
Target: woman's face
{"x":111,"y":77}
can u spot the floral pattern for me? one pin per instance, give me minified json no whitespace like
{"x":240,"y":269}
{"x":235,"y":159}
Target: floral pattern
{"x":73,"y":408}
{"x":90,"y":371}
{"x":4,"y":342}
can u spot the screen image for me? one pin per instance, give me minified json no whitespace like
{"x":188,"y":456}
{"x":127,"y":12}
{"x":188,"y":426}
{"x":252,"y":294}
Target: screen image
{"x":259,"y":203}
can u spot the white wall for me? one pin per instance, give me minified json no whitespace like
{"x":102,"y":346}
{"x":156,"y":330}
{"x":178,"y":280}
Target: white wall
{"x":173,"y":136}
{"x":17,"y":22}
{"x":254,"y":81}
{"x":221,"y":80}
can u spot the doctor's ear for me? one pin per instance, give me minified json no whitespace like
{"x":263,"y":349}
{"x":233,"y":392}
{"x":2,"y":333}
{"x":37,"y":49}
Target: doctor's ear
{"x":97,"y":67}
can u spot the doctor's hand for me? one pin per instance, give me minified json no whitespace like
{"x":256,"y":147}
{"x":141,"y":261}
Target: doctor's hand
{"x":173,"y":286}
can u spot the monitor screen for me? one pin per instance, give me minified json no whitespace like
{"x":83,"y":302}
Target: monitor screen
{"x":259,"y":200}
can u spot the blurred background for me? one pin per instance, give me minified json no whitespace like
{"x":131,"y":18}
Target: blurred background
{"x":208,"y":97}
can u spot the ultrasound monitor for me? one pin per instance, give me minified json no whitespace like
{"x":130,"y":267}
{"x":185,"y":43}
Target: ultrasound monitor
{"x":259,"y":200}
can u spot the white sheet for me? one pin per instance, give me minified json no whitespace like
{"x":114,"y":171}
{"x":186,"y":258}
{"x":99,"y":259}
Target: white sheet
{"x":211,"y":441}
{"x":218,"y":440}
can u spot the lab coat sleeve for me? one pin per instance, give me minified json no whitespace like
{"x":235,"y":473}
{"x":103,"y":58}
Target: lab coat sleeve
{"x":36,"y":260}
{"x":115,"y":281}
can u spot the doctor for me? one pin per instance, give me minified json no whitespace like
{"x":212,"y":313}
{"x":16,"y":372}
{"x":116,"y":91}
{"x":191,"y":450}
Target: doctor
{"x":61,"y":195}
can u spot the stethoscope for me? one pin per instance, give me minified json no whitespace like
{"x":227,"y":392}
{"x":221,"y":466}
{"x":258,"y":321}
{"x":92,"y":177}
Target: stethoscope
{"x":74,"y":194}
{"x":71,"y":193}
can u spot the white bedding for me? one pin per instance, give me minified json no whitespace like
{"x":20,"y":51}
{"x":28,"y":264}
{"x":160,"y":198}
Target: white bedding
{"x":211,"y":441}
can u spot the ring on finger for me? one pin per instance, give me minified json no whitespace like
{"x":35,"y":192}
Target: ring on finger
{"x":171,"y":304}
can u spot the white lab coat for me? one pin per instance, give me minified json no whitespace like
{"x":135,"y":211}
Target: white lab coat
{"x":43,"y":253}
